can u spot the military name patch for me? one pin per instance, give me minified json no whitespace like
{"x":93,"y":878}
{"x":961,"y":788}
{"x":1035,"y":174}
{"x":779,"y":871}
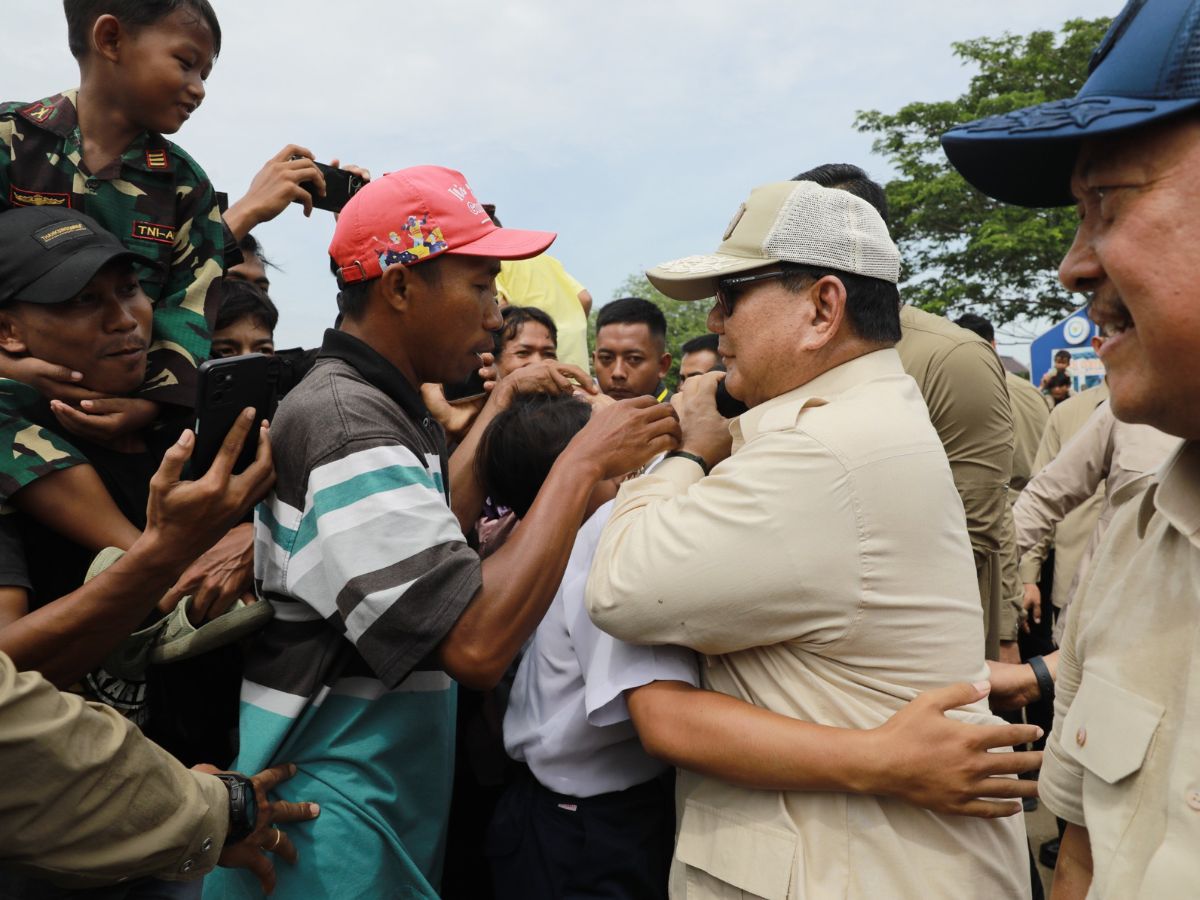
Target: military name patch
{"x":148,"y":231}
{"x":21,"y":197}
{"x":156,"y":159}
{"x":58,"y":233}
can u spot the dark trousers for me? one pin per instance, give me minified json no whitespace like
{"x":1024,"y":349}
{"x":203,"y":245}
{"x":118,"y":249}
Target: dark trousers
{"x":548,"y":846}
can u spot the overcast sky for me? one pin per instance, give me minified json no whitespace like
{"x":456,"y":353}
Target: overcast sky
{"x":633,"y":128}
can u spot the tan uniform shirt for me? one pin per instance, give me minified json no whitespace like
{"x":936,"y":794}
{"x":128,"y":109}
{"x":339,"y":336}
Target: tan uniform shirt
{"x":1030,"y":415}
{"x":1124,"y":756}
{"x":1071,"y":535}
{"x":825,"y":570}
{"x":1105,"y":452}
{"x":88,"y":800}
{"x":962,"y":381}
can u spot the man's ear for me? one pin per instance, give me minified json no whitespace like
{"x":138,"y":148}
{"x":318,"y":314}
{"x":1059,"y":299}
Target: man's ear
{"x":664,"y":365}
{"x":11,"y":337}
{"x":107,"y":37}
{"x":828,"y":298}
{"x":395,"y":286}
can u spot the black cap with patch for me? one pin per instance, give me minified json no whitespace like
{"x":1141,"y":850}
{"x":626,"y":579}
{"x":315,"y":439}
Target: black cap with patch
{"x":48,"y":254}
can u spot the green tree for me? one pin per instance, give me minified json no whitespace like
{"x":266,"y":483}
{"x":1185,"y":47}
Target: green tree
{"x":684,"y":320}
{"x":963,"y":251}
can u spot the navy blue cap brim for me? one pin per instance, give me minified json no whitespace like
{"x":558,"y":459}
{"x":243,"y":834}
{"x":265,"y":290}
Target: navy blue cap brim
{"x":1026,"y":157}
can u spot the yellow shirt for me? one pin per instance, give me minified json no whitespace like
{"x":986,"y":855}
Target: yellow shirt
{"x":825,"y":570}
{"x":1124,"y":756}
{"x":544,"y":283}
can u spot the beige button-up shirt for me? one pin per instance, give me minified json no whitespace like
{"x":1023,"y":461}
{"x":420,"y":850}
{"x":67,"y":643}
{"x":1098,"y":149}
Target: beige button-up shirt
{"x":1030,"y":415}
{"x":1105,"y":452}
{"x":825,"y":571}
{"x":1071,"y":535}
{"x":1124,"y":756}
{"x":89,"y":801}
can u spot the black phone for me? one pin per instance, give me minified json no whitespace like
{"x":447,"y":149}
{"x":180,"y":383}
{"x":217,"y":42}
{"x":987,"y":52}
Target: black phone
{"x":225,"y":388}
{"x":465,"y":390}
{"x":340,"y":186}
{"x":728,"y":405}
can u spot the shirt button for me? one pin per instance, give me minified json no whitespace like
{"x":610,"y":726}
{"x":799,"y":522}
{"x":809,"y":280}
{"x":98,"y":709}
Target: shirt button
{"x":1193,"y":799}
{"x":92,"y":184}
{"x":206,"y":846}
{"x":188,"y":865}
{"x":1081,"y":737}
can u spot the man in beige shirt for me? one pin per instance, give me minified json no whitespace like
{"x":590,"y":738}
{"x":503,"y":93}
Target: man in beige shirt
{"x":822,"y":566}
{"x":1123,"y":762}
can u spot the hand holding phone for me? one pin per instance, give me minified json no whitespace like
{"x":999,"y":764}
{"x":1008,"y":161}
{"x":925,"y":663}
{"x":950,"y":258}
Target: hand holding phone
{"x":226,"y":387}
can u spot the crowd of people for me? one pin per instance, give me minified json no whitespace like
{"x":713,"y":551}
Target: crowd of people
{"x":493,"y":610}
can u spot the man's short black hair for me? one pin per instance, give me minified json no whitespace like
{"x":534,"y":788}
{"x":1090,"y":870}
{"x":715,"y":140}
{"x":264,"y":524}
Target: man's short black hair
{"x":1063,"y":354}
{"x":634,"y":311}
{"x":1059,"y":379}
{"x":977,"y":324}
{"x":872,"y":304}
{"x":352,"y":297}
{"x":250,"y":244}
{"x":516,"y":316}
{"x":700,"y":344}
{"x":521,"y":444}
{"x":242,"y":300}
{"x":132,"y":14}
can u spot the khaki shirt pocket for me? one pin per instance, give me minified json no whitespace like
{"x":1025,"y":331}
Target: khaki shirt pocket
{"x":1109,"y":731}
{"x":729,"y":856}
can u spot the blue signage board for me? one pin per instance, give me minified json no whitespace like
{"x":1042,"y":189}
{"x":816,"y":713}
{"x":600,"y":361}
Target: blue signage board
{"x":1073,"y":334}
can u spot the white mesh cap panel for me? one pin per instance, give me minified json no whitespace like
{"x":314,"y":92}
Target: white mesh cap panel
{"x":832,"y":228}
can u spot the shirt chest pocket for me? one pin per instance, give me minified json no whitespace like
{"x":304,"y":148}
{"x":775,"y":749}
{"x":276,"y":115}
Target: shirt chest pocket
{"x":729,"y":856}
{"x":1110,"y":732}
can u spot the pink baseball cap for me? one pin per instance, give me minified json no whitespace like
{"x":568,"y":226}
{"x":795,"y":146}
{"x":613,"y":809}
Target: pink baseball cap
{"x":413,"y":215}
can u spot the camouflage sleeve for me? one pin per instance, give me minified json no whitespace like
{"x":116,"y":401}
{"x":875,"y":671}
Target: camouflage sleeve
{"x":28,"y":451}
{"x":7,"y":127}
{"x":184,"y":316}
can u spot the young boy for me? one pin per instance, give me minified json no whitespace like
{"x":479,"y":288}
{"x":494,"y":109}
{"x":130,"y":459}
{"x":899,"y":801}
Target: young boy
{"x":100,"y":150}
{"x":246,"y":321}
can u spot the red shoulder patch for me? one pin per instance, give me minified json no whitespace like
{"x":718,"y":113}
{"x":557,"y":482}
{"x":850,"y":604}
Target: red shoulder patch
{"x":156,"y":159}
{"x":39,"y":112}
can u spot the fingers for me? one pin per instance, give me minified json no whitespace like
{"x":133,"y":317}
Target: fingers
{"x":1000,"y":783}
{"x":987,"y":809}
{"x":290,"y":151}
{"x":990,"y":737}
{"x":170,"y":470}
{"x":269,"y":779}
{"x":232,"y":445}
{"x":263,"y":869}
{"x":584,"y":379}
{"x":286,"y":811}
{"x":1037,"y":614}
{"x":104,"y":406}
{"x":259,"y":476}
{"x":955,"y":695}
{"x":1015,"y":763}
{"x":283,"y":846}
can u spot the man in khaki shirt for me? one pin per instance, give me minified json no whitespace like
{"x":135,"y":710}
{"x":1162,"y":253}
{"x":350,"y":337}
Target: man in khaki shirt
{"x":1123,"y":762}
{"x":822,"y":566}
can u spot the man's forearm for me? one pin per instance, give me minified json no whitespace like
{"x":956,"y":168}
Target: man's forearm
{"x":466,"y":492}
{"x":1073,"y":874}
{"x":67,"y":638}
{"x":521,"y":578}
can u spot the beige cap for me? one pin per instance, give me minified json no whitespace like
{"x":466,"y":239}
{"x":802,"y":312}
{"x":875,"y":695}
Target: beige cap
{"x":788,"y":221}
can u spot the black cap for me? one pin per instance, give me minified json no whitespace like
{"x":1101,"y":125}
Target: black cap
{"x":1146,"y":69}
{"x":48,"y":254}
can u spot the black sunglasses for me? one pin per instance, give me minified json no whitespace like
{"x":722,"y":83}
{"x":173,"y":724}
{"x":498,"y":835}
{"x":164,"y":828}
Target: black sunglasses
{"x":729,"y":289}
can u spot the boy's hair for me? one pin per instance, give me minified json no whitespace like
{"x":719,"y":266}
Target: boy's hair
{"x":1061,"y":379}
{"x":521,"y":444}
{"x":250,"y":244}
{"x":244,"y":300}
{"x":132,"y":14}
{"x":517,"y":316}
{"x":1062,"y":354}
{"x":700,"y":344}
{"x":633,"y":311}
{"x":977,"y":324}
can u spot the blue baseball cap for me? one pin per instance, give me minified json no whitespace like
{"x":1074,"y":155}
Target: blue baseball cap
{"x":1146,"y":69}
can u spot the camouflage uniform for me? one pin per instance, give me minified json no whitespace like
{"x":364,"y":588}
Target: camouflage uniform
{"x":161,"y":206}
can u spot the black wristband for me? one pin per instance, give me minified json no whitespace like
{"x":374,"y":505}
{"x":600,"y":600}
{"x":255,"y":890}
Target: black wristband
{"x":243,"y":806}
{"x":683,"y":454}
{"x":1044,"y":679}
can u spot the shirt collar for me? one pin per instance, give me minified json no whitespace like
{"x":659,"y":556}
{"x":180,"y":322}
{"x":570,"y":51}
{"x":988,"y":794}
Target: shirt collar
{"x":374,"y":368}
{"x":55,"y":114}
{"x":782,"y":412}
{"x":1177,"y":494}
{"x":149,"y":151}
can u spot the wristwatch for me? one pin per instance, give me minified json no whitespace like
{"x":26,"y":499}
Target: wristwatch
{"x":243,"y":807}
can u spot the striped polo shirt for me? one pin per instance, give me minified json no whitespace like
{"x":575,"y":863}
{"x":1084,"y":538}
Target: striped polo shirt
{"x":367,"y":569}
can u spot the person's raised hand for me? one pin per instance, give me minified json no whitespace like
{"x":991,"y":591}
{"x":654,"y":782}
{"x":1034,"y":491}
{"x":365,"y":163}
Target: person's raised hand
{"x":705,"y":431}
{"x":547,"y":376}
{"x":253,"y":851}
{"x":218,"y":579}
{"x":185,"y":518}
{"x":54,"y":382}
{"x":944,"y":765}
{"x":115,"y":422}
{"x":275,"y":186}
{"x":624,"y":436}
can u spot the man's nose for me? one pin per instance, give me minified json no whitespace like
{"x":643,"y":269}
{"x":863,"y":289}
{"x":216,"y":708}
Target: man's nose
{"x":118,"y":316}
{"x":1080,"y":269}
{"x":196,"y":89}
{"x":716,"y":320}
{"x":492,"y":319}
{"x":618,"y":370}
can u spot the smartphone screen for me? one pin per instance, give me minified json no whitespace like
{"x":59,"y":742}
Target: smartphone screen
{"x":226,"y":387}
